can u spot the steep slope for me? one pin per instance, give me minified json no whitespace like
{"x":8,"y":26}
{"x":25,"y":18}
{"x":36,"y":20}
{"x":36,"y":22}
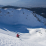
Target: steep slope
{"x":33,"y":38}
{"x":18,"y":16}
{"x":40,"y":18}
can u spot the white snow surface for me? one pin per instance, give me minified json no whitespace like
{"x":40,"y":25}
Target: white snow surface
{"x":18,"y":16}
{"x":35,"y":37}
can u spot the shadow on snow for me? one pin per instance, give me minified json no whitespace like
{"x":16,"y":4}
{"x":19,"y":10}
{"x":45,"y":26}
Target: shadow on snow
{"x":16,"y":28}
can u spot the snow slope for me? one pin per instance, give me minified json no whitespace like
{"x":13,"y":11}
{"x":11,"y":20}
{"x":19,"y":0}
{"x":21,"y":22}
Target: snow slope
{"x":35,"y":37}
{"x":18,"y":16}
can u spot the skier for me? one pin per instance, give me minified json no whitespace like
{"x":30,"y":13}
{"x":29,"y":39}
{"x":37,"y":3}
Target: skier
{"x":17,"y":35}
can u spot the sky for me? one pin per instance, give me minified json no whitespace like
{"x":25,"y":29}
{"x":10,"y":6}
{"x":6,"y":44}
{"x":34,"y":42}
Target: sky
{"x":24,"y":3}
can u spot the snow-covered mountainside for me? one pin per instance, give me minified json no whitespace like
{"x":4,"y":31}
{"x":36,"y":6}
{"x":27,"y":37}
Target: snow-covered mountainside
{"x":30,"y":26}
{"x":40,"y":18}
{"x":19,"y":16}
